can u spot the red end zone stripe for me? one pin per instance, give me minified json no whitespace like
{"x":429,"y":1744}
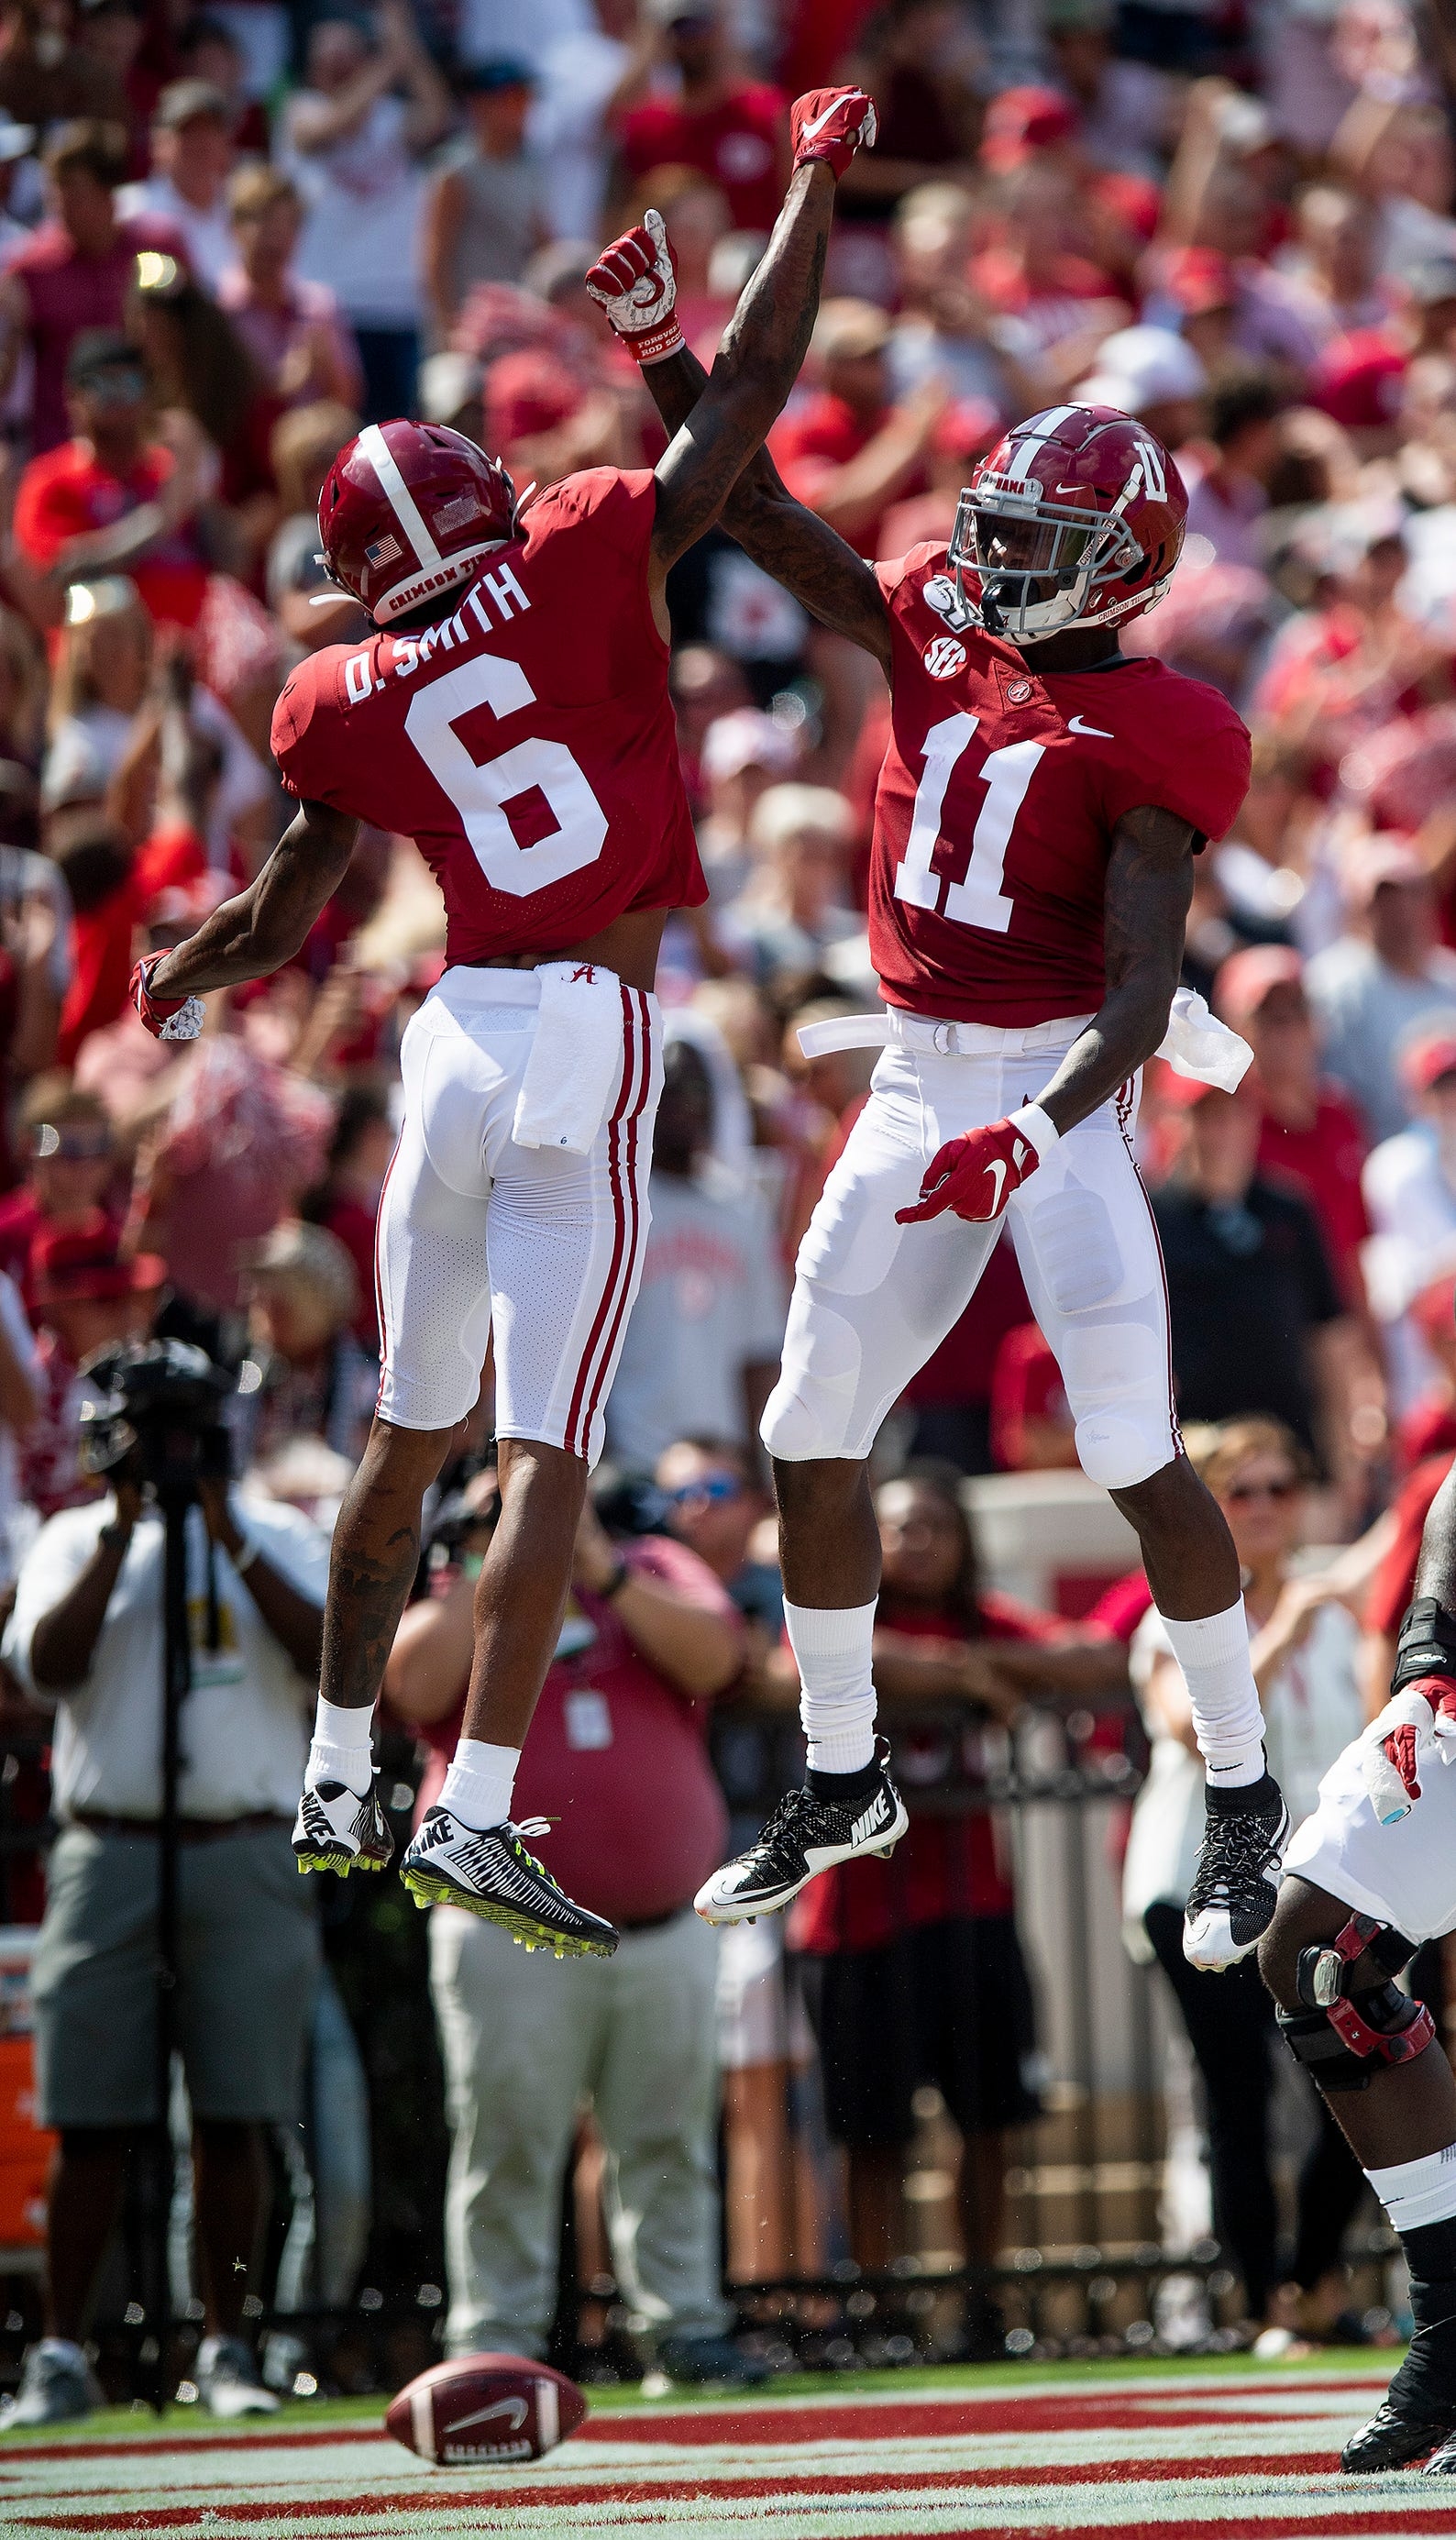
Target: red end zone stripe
{"x":805,"y":2487}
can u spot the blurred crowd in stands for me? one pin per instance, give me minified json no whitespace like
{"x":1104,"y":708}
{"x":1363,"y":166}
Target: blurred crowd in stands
{"x":228,"y":235}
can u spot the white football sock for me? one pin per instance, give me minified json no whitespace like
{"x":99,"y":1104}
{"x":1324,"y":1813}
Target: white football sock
{"x":341,"y":1750}
{"x":1214,"y":1652}
{"x":833,"y":1644}
{"x":1413,"y":2192}
{"x":479,"y":1783}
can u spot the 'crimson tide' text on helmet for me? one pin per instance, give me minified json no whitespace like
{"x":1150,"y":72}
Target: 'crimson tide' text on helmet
{"x":1075,"y":519}
{"x":408,"y":510}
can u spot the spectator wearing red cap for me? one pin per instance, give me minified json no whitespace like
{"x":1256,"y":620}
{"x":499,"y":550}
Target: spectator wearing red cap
{"x":1380,"y":985}
{"x":85,"y":1294}
{"x":733,"y":129}
{"x":1310,"y":1133}
{"x":849,"y":450}
{"x":74,"y":274}
{"x":1410,"y":1188}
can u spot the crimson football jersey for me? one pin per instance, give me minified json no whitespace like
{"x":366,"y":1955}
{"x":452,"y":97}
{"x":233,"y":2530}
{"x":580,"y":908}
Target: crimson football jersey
{"x":997,"y":800}
{"x":526,"y":743}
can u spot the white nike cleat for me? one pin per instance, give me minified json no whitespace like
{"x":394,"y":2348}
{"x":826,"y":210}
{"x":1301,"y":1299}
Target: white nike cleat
{"x":490,"y":1872}
{"x":335,"y":1829}
{"x":806,"y":1834}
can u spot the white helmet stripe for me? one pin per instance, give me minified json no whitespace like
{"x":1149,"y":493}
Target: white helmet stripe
{"x":1019,"y":467}
{"x":402,"y":500}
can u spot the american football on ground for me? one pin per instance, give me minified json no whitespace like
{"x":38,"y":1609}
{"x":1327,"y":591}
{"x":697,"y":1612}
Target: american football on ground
{"x":481,"y":2409}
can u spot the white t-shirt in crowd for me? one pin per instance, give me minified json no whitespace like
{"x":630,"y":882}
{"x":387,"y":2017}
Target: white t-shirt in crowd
{"x":207,"y":235}
{"x":245,"y":1722}
{"x":364,"y":198}
{"x":711,"y":1303}
{"x":579,"y":73}
{"x":1311,"y":1712}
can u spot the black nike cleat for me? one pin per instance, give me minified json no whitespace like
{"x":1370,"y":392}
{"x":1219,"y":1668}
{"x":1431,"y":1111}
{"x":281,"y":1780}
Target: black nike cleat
{"x":1398,"y":2434}
{"x":1236,"y":1885}
{"x":491,"y":1874}
{"x":335,"y":1829}
{"x":806,"y":1834}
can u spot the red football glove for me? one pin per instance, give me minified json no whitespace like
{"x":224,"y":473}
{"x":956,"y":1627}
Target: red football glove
{"x":975,"y":1175}
{"x":1401,"y":1745}
{"x":832,"y":123}
{"x":635,"y":280}
{"x":166,"y":1018}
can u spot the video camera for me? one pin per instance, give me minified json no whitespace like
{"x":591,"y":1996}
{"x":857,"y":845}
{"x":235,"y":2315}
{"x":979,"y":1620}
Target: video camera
{"x":154,"y":1414}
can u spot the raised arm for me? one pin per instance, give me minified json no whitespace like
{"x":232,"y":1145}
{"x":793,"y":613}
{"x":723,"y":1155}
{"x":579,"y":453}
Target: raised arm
{"x":254,"y":934}
{"x":802,"y":553}
{"x":767,"y":339}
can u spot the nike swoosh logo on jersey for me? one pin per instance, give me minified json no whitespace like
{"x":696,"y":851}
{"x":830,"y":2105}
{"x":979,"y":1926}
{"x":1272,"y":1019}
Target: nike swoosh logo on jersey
{"x":997,"y":1167}
{"x":806,"y":131}
{"x":1089,"y":730}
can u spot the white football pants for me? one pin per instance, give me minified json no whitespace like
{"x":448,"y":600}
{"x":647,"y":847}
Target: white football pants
{"x":873,"y":1300}
{"x":478,"y":1235}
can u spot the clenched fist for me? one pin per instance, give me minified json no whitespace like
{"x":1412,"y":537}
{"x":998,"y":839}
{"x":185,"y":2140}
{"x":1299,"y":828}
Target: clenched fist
{"x":976,"y":1174}
{"x":635,"y":280}
{"x":1420,"y":1715}
{"x":832,"y":123}
{"x":166,"y":1018}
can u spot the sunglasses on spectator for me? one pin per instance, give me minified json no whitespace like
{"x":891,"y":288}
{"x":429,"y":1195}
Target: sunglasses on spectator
{"x":72,"y":1146}
{"x":1286,"y":1488}
{"x":711,"y":1486}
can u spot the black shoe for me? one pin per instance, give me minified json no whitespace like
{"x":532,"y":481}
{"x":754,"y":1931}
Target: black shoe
{"x":1235,"y":1886}
{"x":335,"y":1829}
{"x":806,"y":1834}
{"x":1396,"y":2436}
{"x":492,"y":1875}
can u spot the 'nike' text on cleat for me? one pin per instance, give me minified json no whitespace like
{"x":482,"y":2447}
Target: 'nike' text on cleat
{"x":335,"y":1829}
{"x":491,"y":1874}
{"x":806,"y":1834}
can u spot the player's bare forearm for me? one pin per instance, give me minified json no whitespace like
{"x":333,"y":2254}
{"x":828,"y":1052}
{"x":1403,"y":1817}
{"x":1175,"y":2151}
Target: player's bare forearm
{"x":254,"y":934}
{"x":782,"y":535}
{"x":1149,"y":891}
{"x":760,"y":358}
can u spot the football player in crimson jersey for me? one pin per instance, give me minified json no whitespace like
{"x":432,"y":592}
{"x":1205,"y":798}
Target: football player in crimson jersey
{"x":1040,"y":807}
{"x":512,"y":714}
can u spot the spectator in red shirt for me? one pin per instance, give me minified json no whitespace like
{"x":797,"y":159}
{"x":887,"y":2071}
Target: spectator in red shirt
{"x":69,"y":1151}
{"x":73,"y":276}
{"x":848,"y":452}
{"x":733,"y":129}
{"x":915,"y":1972}
{"x":616,"y":1754}
{"x":115,"y":499}
{"x":1312,"y":1134}
{"x":300,"y":345}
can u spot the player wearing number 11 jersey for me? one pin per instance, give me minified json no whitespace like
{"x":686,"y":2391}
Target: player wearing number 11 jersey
{"x":510,"y":712}
{"x":1041,"y":803}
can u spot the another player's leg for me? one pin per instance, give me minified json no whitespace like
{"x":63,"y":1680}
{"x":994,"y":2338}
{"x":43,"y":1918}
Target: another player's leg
{"x":341,"y":1823}
{"x":870,"y":1303}
{"x":1089,"y":1255}
{"x":1374,"y":2053}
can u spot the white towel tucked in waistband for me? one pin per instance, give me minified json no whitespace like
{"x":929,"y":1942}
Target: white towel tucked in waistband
{"x":1196,"y":1043}
{"x":573,"y":1073}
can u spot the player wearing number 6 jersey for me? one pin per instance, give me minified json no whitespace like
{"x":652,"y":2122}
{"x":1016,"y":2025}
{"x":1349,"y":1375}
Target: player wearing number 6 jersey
{"x":512,"y":714}
{"x":1040,"y":807}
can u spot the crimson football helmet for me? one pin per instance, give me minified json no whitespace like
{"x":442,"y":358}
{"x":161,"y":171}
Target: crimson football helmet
{"x":1075,"y":519}
{"x":408,"y":510}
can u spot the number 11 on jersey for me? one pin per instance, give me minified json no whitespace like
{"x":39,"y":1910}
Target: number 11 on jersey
{"x":977,"y":900}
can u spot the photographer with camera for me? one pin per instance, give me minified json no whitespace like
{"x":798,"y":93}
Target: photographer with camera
{"x":87,"y":1637}
{"x":617,"y":1754}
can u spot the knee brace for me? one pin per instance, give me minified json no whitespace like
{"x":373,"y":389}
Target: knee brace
{"x":1427,"y":1646}
{"x":1347,"y":2037}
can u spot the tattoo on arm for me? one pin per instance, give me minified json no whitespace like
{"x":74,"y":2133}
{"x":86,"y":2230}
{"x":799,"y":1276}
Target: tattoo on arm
{"x":254,"y":934}
{"x":1149,"y":891}
{"x":787,"y":539}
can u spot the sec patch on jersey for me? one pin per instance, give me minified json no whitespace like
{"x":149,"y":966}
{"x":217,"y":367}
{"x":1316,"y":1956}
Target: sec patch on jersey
{"x":481,"y":2409}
